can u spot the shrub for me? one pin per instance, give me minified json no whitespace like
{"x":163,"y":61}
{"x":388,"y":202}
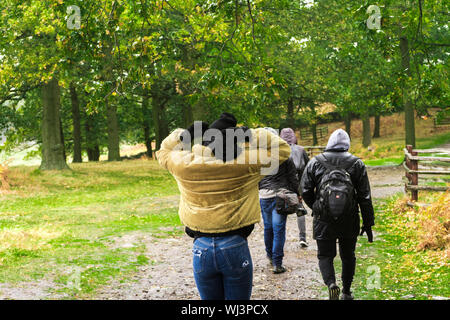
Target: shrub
{"x":4,"y":185}
{"x":434,"y":222}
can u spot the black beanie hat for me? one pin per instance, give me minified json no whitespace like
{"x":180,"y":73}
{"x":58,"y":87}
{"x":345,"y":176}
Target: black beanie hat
{"x":226,"y":120}
{"x":233,"y":154}
{"x":187,"y":137}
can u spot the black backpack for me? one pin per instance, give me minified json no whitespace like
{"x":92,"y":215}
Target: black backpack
{"x":336,"y":193}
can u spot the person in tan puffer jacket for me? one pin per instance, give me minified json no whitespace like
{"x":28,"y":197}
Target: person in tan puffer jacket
{"x":219,"y":201}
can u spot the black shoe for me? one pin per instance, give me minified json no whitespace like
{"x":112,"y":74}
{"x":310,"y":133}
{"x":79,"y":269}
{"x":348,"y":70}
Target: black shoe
{"x":333,"y":291}
{"x":279,"y":269}
{"x":347,"y":296}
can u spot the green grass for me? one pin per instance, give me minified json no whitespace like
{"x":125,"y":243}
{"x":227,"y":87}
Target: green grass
{"x":64,"y":227}
{"x":404,"y":272}
{"x":389,"y":151}
{"x":60,"y":224}
{"x":384,"y":161}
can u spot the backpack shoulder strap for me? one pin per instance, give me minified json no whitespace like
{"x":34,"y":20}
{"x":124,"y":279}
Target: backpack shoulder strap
{"x":322,"y":160}
{"x":348,"y":163}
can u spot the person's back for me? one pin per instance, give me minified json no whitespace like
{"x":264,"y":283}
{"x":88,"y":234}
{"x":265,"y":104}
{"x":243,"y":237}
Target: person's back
{"x":300,"y":159}
{"x":285,"y":177}
{"x":284,"y":180}
{"x":298,"y":153}
{"x":326,"y":231}
{"x":219,"y":198}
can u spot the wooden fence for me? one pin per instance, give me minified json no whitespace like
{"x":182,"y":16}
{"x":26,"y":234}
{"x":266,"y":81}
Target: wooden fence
{"x":307,"y":134}
{"x":313,"y":150}
{"x":411,"y":165}
{"x":441,"y":122}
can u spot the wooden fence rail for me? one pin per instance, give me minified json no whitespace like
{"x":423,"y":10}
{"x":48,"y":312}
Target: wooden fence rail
{"x":307,"y":133}
{"x":313,"y":150}
{"x":411,"y":165}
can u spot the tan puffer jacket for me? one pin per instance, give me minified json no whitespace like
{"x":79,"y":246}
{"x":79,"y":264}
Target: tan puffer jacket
{"x":219,"y":196}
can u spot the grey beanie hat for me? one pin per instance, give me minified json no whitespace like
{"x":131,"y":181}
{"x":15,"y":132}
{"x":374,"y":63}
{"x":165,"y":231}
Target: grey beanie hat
{"x":339,"y":140}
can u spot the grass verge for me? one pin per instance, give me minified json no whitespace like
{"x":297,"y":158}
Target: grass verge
{"x":62,"y":226}
{"x":410,"y":257}
{"x":389,"y":151}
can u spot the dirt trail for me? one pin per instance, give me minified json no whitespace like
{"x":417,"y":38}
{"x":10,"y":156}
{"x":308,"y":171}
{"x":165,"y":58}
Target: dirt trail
{"x":169,"y":276}
{"x":169,"y":273}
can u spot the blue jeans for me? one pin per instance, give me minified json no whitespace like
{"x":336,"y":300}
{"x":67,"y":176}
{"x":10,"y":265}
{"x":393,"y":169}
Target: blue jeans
{"x":223,"y":268}
{"x":274,"y":230}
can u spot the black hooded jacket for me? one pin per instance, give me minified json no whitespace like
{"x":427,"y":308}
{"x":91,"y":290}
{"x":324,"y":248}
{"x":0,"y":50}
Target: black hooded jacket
{"x":310,"y":180}
{"x":285,"y":177}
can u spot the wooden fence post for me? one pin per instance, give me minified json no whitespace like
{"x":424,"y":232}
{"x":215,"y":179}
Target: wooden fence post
{"x":413,"y":176}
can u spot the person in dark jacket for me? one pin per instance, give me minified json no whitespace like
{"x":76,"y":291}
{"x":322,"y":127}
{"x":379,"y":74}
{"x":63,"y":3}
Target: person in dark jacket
{"x":275,"y":223}
{"x":300,"y":158}
{"x":346,"y":232}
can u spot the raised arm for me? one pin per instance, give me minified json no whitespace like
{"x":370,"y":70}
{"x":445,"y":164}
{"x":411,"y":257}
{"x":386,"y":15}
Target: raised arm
{"x":272,"y":151}
{"x":170,"y":144}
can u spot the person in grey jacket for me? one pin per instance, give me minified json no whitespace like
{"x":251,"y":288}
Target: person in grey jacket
{"x":301,"y":159}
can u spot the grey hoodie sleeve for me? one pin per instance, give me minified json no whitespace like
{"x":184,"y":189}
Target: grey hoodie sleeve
{"x":292,"y":177}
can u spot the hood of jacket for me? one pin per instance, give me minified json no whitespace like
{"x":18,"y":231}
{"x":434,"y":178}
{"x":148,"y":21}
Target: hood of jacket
{"x":288,"y":135}
{"x":339,"y":140}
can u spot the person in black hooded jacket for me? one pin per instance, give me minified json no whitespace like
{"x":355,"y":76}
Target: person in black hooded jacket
{"x":275,"y":223}
{"x":346,"y":232}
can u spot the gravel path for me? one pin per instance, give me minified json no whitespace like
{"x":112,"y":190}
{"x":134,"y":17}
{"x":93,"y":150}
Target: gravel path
{"x":170,"y":274}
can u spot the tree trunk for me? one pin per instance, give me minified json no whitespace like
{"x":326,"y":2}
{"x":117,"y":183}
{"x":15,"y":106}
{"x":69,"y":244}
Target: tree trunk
{"x":52,"y":147}
{"x":348,"y":123}
{"x":164,"y":127}
{"x":76,"y":124}
{"x":188,"y":117}
{"x":159,"y":118}
{"x":112,"y":122}
{"x":92,"y":147}
{"x":290,"y":114}
{"x":367,"y":137}
{"x":156,"y":123}
{"x":146,"y":123}
{"x":113,"y":132}
{"x":63,"y":143}
{"x":376,"y":129}
{"x":410,"y":134}
{"x":314,"y":134}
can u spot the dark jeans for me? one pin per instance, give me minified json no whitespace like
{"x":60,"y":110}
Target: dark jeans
{"x":274,"y":230}
{"x":326,"y":251}
{"x":223,"y":268}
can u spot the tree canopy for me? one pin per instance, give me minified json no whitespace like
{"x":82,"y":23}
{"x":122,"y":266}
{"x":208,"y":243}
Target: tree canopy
{"x":127,"y":70}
